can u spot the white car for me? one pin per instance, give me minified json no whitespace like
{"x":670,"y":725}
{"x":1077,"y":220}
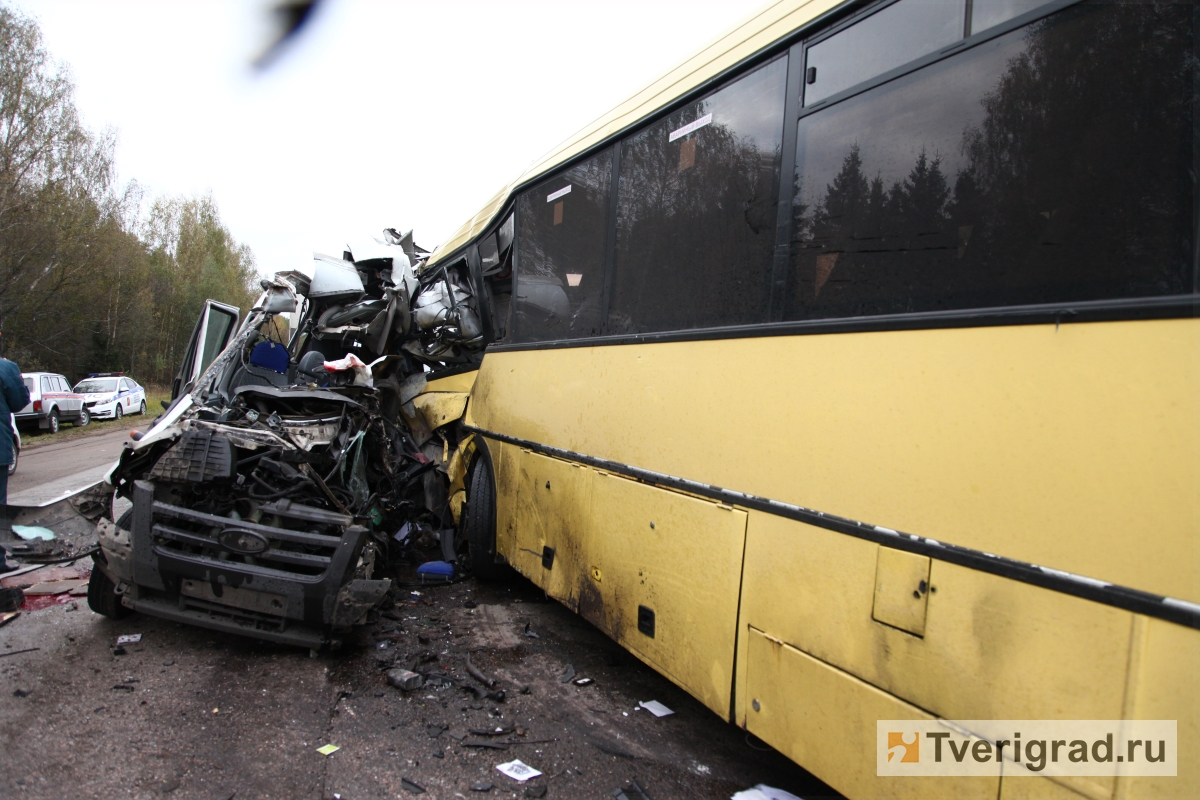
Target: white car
{"x":111,"y":396}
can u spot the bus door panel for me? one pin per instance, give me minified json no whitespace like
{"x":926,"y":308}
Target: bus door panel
{"x":1165,"y":684}
{"x":990,"y":647}
{"x":825,"y":720}
{"x":663,"y":581}
{"x":552,"y":515}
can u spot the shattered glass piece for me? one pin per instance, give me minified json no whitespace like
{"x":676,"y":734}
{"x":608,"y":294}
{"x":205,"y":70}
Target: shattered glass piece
{"x":32,"y":533}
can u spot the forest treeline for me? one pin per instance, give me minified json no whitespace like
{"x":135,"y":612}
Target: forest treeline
{"x":94,"y":276}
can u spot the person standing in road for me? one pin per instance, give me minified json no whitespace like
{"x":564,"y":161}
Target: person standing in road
{"x":13,"y":397}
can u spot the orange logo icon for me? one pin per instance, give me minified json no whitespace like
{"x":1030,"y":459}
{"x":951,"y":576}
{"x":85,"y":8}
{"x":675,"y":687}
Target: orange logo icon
{"x":908,"y":749}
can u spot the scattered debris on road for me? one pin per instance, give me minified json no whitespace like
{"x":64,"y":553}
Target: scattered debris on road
{"x":33,"y":533}
{"x":45,"y":586}
{"x":631,"y":791}
{"x":18,"y":652}
{"x":764,"y":792}
{"x":405,"y":680}
{"x":656,"y":708}
{"x":518,"y":771}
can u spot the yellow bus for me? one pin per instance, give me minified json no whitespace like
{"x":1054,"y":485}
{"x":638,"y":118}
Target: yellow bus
{"x":850,"y":372}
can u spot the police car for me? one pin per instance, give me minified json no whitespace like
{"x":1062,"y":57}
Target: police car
{"x":111,"y":395}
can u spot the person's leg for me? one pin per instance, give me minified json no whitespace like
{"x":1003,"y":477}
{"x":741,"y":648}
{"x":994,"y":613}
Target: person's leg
{"x":6,"y":532}
{"x":5,"y":522}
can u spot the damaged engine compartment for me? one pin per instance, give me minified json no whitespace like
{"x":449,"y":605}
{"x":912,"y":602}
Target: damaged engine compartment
{"x":320,"y":447}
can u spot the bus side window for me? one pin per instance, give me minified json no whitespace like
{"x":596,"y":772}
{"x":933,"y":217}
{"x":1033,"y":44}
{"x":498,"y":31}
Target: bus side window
{"x":1011,"y":173}
{"x":562,"y":225}
{"x":496,"y":268}
{"x":696,"y":211}
{"x":885,"y":40}
{"x":489,"y":256}
{"x":989,"y":13}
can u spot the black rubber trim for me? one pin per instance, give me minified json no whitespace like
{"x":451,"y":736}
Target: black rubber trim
{"x":1170,"y":609}
{"x":1147,"y":308}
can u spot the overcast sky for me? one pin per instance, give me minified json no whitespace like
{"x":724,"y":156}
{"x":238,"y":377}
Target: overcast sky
{"x":380,"y":114}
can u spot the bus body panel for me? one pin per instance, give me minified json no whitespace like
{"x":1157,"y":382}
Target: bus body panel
{"x":993,"y":648}
{"x":1166,"y":686}
{"x":825,"y":719}
{"x":1081,"y":455}
{"x":658,"y":571}
{"x":1073,"y":446}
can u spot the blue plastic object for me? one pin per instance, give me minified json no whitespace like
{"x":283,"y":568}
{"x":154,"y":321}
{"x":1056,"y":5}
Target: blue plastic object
{"x":435,"y":571}
{"x":270,"y":355}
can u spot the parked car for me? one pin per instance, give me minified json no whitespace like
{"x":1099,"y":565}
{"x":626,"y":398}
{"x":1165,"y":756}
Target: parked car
{"x":111,"y":395}
{"x":16,"y":445}
{"x":51,"y":401}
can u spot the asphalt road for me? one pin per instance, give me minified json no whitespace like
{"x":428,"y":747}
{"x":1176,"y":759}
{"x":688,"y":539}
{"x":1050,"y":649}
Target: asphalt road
{"x":187,"y":713}
{"x":51,"y":470}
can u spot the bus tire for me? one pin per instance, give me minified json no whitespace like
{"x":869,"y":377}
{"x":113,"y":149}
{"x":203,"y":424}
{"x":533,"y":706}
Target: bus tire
{"x":481,"y":523}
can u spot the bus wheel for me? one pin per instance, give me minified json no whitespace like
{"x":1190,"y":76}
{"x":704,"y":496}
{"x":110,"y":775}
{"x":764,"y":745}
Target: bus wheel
{"x":481,"y":524}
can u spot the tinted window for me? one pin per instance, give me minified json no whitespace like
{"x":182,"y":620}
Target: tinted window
{"x":560,"y":253}
{"x":505,"y":234}
{"x":1050,"y":164}
{"x":988,"y":13}
{"x":883,"y":41}
{"x":696,"y":211}
{"x":489,"y":255}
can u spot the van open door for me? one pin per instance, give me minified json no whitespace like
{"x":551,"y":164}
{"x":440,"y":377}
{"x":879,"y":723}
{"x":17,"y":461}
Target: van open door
{"x":214,"y":329}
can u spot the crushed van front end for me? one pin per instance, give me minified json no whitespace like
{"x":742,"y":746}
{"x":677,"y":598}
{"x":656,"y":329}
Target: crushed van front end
{"x":297,"y":576}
